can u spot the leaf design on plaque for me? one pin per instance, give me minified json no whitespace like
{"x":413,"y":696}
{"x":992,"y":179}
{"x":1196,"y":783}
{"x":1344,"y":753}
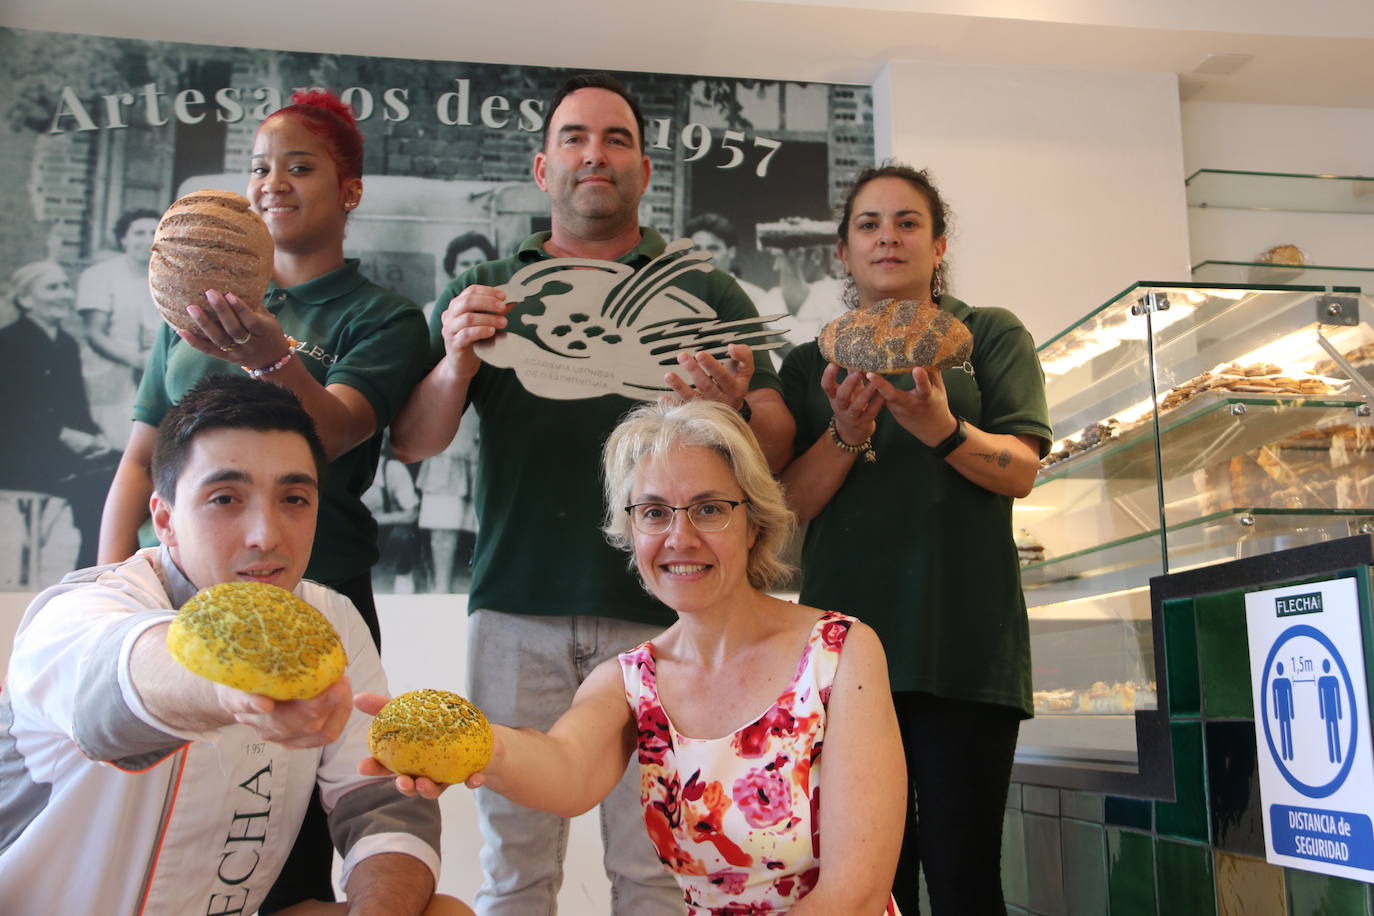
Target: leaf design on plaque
{"x":581,"y":328}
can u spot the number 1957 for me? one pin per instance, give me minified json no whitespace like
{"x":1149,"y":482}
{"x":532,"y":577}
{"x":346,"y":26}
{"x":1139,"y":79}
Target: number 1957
{"x":697,"y":139}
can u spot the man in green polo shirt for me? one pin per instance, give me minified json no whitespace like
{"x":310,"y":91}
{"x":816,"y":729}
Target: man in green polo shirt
{"x":550,"y":598}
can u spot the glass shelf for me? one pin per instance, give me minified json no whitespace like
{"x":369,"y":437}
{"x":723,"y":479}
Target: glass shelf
{"x":1239,"y":190}
{"x":1226,"y":535}
{"x":1100,"y":367}
{"x":1208,"y":428}
{"x":1278,"y":274}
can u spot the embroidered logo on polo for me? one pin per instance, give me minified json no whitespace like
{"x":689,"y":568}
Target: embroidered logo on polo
{"x":580,"y":328}
{"x":305,"y":348}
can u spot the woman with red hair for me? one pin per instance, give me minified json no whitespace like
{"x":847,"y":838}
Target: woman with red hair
{"x":344,"y":346}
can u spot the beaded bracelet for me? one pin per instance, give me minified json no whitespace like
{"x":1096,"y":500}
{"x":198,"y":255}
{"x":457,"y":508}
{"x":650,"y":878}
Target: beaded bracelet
{"x":866,"y":446}
{"x":291,"y":344}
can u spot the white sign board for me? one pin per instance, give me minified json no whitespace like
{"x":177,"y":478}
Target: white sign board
{"x":1312,"y":727}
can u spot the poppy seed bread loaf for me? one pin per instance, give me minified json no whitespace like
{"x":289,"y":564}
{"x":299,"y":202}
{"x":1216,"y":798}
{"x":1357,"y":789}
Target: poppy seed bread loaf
{"x":896,"y":335}
{"x":257,"y":637}
{"x":432,"y":733}
{"x":208,"y":240}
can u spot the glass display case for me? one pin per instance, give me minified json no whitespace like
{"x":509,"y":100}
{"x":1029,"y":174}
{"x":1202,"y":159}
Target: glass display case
{"x":1198,"y":423}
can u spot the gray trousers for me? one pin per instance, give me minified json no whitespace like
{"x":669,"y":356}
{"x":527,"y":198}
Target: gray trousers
{"x":523,"y":671}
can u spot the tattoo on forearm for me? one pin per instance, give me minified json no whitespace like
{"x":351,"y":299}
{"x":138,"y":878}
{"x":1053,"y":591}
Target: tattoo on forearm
{"x":1003,"y":458}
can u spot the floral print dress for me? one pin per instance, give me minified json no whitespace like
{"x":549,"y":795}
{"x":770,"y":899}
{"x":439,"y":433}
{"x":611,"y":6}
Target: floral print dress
{"x":735,"y":818}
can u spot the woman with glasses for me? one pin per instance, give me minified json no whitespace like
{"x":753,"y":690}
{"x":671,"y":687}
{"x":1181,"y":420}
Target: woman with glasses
{"x":728,"y":708}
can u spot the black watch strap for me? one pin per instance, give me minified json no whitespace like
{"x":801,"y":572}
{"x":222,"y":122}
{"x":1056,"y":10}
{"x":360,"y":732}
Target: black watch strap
{"x":952,"y":441}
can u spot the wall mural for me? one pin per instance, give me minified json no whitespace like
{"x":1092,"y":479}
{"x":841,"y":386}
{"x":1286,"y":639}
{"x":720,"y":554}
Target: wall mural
{"x":99,"y":135}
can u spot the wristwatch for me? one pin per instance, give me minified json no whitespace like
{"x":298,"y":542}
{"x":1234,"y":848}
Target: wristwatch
{"x":952,"y":441}
{"x":746,"y":411}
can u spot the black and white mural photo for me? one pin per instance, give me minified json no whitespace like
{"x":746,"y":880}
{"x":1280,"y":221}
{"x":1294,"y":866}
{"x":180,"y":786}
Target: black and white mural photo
{"x":99,"y":135}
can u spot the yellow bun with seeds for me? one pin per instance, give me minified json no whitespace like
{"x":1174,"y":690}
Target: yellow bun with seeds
{"x":257,"y":637}
{"x":431,"y":733}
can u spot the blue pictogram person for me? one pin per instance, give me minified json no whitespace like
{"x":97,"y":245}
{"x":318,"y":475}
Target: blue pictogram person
{"x":1283,"y":708}
{"x":1329,"y":700}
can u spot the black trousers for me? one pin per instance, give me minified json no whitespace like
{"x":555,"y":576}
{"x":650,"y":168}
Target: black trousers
{"x":958,"y":759}
{"x":307,"y":872}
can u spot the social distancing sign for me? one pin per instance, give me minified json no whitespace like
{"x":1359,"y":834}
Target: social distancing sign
{"x":1312,"y":727}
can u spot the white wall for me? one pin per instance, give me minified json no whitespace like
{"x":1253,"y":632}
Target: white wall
{"x":1280,"y":138}
{"x":426,"y":646}
{"x":1066,"y":185}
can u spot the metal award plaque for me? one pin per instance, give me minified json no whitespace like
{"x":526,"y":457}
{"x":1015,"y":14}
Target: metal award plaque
{"x":581,"y":328}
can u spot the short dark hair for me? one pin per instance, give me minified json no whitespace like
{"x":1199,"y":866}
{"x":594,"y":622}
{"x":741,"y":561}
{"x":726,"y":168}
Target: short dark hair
{"x":128,"y":218}
{"x":594,"y":81}
{"x":462,"y":243}
{"x":220,"y":401}
{"x":921,"y":181}
{"x":715,"y":224}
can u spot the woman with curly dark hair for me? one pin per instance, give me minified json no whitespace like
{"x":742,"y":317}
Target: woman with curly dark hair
{"x":915,"y":538}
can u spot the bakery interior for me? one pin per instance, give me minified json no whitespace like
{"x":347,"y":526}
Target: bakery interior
{"x":1169,"y":197}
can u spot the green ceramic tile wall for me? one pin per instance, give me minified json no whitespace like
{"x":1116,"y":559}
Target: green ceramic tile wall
{"x":1180,"y":655}
{"x":1224,"y":656}
{"x":1130,"y":873}
{"x":1040,"y":799}
{"x":1128,"y":812}
{"x":1187,"y":816}
{"x":1014,"y":887}
{"x":1247,"y":886}
{"x":1083,"y":806}
{"x":1085,"y":867}
{"x":1311,"y":894}
{"x":1233,"y":787}
{"x":1044,"y":863}
{"x":1184,"y":876}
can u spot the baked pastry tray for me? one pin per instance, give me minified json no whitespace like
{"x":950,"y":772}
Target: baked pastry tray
{"x":1202,"y":431}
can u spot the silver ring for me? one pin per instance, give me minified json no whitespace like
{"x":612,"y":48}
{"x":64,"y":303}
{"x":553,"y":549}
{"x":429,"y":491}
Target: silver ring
{"x":240,"y":341}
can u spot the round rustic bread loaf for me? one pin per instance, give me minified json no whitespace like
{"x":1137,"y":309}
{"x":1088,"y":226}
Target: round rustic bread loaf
{"x":208,"y":240}
{"x":431,"y":733}
{"x":896,"y":335}
{"x":257,"y":637}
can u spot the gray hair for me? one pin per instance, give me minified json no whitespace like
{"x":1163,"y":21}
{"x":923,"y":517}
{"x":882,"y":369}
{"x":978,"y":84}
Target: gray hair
{"x":653,"y":429}
{"x":24,"y":279}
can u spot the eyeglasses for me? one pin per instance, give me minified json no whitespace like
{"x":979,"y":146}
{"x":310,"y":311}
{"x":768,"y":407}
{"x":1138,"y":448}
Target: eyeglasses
{"x":706,"y":515}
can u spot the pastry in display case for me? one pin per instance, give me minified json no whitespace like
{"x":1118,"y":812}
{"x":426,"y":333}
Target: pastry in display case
{"x":1279,"y":264}
{"x":1200,"y":423}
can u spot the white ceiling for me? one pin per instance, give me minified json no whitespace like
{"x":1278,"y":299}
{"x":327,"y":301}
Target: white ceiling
{"x":1318,"y":53}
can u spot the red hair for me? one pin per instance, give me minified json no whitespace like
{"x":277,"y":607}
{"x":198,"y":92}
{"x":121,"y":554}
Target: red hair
{"x":322,"y":113}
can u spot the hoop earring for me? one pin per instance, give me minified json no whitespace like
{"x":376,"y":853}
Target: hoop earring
{"x":849,"y":298}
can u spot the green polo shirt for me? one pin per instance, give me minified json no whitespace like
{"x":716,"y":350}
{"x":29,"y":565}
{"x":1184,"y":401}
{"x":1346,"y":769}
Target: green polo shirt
{"x":538,"y":492}
{"x":912,"y":547}
{"x":350,"y":331}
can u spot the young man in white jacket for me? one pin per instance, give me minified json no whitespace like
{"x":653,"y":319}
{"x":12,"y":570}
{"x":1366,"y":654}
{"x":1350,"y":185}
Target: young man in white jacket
{"x":129,"y":785}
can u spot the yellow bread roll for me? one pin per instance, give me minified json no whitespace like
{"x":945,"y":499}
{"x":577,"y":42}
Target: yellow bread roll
{"x":896,"y":335}
{"x":431,"y":733}
{"x":257,"y":637}
{"x":208,"y":240}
